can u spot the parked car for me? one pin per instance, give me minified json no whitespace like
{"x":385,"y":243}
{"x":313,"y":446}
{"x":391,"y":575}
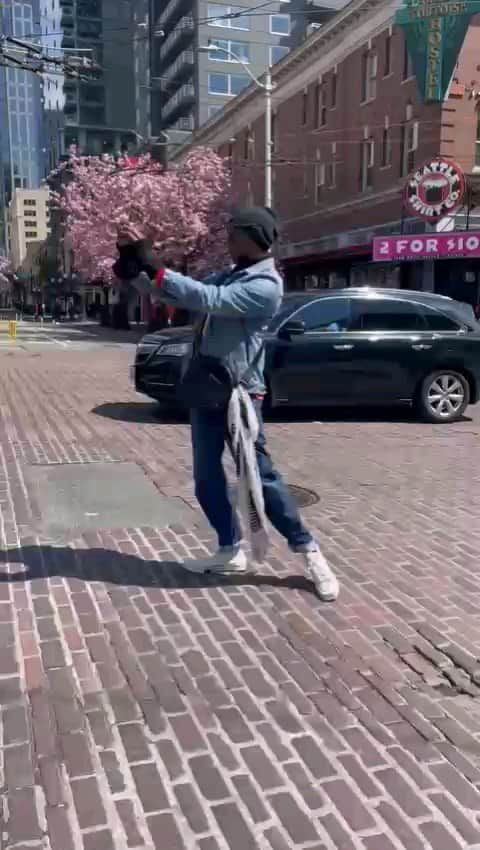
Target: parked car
{"x":349,"y":347}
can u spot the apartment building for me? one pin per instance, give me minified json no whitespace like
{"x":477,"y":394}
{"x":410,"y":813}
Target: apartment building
{"x":28,"y":222}
{"x":97,"y":115}
{"x":348,"y":127}
{"x":22,"y":146}
{"x":195,"y":83}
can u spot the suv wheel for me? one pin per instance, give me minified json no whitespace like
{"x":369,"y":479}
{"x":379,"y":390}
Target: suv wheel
{"x":443,"y":396}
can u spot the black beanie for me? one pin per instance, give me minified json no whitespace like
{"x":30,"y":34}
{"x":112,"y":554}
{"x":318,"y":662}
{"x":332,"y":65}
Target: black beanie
{"x":259,"y":223}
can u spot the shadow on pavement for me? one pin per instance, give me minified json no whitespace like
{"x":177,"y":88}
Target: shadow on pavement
{"x":393,"y":414}
{"x":141,"y":412}
{"x":40,"y":562}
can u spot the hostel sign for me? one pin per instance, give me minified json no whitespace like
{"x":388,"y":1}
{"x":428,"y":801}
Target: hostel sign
{"x":434,"y":32}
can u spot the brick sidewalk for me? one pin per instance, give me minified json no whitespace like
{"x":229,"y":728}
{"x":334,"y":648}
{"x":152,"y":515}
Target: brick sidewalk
{"x":146,"y":708}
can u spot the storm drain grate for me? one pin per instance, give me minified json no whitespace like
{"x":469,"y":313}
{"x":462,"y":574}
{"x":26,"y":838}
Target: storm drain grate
{"x":303,"y":497}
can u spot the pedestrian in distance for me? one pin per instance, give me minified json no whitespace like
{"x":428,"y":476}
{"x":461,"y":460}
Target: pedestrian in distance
{"x":224,"y":387}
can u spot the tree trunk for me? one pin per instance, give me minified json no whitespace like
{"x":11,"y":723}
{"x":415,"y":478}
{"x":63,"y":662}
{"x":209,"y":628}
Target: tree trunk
{"x":105,"y":308}
{"x":120,"y":319}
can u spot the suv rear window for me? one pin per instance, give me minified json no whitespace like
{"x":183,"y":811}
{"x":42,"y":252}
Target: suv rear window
{"x":386,"y":314}
{"x":438,"y":321}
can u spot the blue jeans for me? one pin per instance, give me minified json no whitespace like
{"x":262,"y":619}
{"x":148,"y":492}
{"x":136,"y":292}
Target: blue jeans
{"x":209,"y":435}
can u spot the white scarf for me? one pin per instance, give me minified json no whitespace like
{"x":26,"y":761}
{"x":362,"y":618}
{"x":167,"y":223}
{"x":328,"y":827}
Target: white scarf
{"x":243,"y":429}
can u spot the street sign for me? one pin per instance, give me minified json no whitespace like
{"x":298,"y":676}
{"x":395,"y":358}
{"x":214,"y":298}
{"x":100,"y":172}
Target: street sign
{"x":426,"y":246}
{"x":434,"y":32}
{"x":445,"y":225}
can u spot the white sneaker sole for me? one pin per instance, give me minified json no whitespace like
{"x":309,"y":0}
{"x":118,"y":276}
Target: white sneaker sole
{"x":329,"y":596}
{"x":218,"y":571}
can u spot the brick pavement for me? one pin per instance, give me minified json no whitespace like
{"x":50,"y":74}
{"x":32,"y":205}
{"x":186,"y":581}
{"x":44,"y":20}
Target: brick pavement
{"x":146,"y":708}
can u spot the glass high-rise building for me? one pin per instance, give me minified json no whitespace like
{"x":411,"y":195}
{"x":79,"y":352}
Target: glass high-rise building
{"x":22,"y":146}
{"x":97,"y":115}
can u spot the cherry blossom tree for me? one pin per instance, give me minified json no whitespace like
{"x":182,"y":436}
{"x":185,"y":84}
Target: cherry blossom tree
{"x":5,"y":271}
{"x":182,"y":211}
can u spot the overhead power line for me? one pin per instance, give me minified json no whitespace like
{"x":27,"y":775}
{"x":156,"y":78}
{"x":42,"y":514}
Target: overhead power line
{"x":22,"y":55}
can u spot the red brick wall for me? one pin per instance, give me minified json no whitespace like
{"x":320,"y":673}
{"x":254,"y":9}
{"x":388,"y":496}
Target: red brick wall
{"x":459,"y":122}
{"x":297,"y":143}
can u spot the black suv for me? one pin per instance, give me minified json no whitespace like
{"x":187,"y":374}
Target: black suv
{"x":350,"y":347}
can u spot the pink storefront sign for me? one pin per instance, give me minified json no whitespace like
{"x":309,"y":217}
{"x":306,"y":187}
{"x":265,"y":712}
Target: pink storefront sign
{"x":427,"y":246}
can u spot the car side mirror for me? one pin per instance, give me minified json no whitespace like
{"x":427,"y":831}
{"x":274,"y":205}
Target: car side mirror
{"x":292,"y":328}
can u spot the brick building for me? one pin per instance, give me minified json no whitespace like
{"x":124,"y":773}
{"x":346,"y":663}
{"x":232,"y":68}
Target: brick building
{"x":348,"y":128}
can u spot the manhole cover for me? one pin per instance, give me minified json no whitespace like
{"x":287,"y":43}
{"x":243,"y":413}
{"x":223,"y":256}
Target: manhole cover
{"x":303,"y":497}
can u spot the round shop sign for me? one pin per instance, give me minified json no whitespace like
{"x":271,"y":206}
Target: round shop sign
{"x":434,"y":190}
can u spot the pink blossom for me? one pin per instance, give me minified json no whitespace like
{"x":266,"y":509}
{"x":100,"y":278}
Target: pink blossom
{"x":181,"y":211}
{"x":5,"y":272}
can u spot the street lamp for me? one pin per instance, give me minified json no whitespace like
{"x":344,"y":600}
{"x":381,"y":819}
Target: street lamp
{"x":267,"y":87}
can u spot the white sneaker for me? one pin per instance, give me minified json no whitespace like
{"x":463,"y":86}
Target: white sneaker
{"x":318,"y":571}
{"x":224,"y":562}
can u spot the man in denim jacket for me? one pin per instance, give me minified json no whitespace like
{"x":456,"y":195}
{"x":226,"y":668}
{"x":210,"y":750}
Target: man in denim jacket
{"x":240,"y":303}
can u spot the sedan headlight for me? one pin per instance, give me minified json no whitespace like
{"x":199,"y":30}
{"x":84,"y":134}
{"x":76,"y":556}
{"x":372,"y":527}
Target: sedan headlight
{"x":176,"y":349}
{"x":146,"y":347}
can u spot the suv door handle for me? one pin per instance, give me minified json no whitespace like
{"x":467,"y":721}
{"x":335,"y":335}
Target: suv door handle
{"x":421,"y":346}
{"x":347,"y":347}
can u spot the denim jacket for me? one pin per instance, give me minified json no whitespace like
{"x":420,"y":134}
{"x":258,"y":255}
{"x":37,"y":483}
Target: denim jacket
{"x":240,"y":305}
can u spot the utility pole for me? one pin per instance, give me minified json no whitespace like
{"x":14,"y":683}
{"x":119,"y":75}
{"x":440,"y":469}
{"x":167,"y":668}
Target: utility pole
{"x":268,"y":88}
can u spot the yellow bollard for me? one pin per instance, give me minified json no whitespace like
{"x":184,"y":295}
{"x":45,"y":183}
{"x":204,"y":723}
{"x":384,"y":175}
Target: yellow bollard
{"x":12,"y":330}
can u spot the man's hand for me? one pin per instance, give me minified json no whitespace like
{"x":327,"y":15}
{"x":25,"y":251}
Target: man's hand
{"x":136,"y":255}
{"x":128,"y":233}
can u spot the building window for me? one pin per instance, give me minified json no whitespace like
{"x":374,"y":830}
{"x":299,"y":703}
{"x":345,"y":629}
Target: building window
{"x":31,"y":213}
{"x":367,"y":161}
{"x":407,"y":63}
{"x":229,"y":51}
{"x":305,"y":107}
{"x":477,"y":143}
{"x":31,"y":234}
{"x":280,"y":24}
{"x":332,"y":175}
{"x":277,"y":52}
{"x":333,"y":90}
{"x":369,"y":76}
{"x":386,"y":148}
{"x":332,"y":168}
{"x":89,"y":8}
{"x":29,"y":203}
{"x":230,"y":17}
{"x":319,"y":178}
{"x":227,"y":84}
{"x":306,"y":176}
{"x":387,"y":65}
{"x":273,"y":131}
{"x":249,"y":145}
{"x":408,"y":147}
{"x":320,"y":106}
